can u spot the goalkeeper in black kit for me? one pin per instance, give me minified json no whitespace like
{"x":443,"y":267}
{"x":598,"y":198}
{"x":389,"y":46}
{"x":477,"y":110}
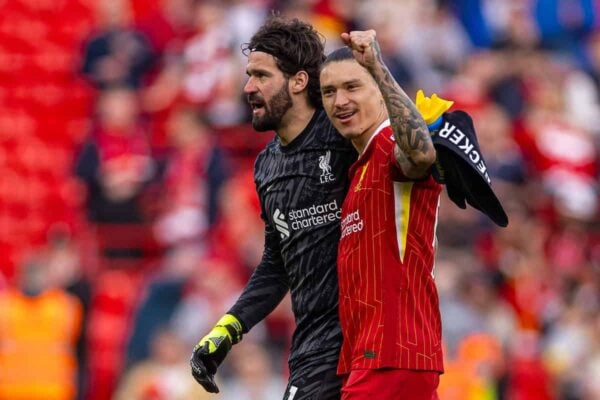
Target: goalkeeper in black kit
{"x":301,"y":179}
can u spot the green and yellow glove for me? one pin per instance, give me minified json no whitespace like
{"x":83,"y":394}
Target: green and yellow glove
{"x":211,"y":350}
{"x":432,"y":109}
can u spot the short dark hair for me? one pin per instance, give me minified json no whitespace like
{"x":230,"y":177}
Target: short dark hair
{"x":341,"y":54}
{"x":296,"y":46}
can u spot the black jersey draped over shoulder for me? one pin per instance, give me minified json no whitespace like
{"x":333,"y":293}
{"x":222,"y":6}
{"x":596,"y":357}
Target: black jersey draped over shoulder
{"x":301,"y":188}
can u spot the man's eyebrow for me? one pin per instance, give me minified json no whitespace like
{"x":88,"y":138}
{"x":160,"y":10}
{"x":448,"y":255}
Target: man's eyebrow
{"x":345,"y":83}
{"x":351,"y":81}
{"x":250,"y":71}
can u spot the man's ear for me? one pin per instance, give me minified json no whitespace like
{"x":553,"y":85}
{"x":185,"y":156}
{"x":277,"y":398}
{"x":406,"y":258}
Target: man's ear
{"x":298,"y":82}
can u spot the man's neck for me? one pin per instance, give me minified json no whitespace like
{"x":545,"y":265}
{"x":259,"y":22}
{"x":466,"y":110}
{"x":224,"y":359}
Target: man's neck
{"x":360,"y":143}
{"x":293,"y":123}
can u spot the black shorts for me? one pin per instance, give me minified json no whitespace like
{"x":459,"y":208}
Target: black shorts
{"x":314,"y":378}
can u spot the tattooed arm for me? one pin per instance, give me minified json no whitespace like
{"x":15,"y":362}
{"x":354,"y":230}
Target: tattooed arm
{"x":414,"y":150}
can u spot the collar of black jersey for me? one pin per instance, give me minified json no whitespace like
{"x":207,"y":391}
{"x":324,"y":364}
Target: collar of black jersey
{"x":461,"y":168}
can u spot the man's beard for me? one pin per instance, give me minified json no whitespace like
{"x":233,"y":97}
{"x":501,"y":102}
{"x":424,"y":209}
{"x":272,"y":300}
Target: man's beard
{"x":274,"y":111}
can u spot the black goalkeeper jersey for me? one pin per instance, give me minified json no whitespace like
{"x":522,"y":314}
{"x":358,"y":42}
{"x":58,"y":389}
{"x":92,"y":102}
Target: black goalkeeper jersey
{"x":301,"y":188}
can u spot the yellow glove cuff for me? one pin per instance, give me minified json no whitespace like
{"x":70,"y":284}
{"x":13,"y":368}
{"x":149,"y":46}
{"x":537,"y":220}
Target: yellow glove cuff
{"x":214,"y":335}
{"x":431,"y":108}
{"x":221,"y":330}
{"x":229,"y":319}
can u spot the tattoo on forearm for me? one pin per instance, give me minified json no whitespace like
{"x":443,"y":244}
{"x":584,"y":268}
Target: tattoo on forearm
{"x":410,"y":131}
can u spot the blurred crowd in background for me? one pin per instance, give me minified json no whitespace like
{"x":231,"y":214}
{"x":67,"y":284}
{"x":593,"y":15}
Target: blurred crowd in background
{"x":129,"y":221}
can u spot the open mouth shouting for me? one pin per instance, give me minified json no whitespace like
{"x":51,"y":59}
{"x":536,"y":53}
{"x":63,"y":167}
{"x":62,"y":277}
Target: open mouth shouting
{"x":256,"y":104}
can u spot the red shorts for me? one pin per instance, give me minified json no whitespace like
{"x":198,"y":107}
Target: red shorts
{"x":390,"y":384}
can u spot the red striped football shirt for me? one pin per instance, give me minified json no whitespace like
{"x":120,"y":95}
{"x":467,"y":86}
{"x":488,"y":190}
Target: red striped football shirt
{"x":389,"y":307}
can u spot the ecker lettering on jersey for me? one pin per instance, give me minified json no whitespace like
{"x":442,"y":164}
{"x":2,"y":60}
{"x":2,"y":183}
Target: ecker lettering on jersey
{"x":455,"y":136}
{"x":324,"y":164}
{"x":352,"y":223}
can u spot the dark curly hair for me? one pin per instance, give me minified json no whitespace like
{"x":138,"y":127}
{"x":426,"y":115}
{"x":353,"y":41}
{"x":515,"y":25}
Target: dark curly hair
{"x":296,"y":46}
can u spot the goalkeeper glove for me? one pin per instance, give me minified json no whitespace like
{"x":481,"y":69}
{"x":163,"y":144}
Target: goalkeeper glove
{"x":211,"y":350}
{"x":431,"y":109}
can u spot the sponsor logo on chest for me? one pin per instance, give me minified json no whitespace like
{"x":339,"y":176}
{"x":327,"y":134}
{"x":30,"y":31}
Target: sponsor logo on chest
{"x":302,"y":218}
{"x":352,"y":223}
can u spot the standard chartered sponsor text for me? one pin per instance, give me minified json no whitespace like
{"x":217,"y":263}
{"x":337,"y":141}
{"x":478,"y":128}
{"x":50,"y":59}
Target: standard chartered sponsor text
{"x":315,"y":215}
{"x":352,"y":223}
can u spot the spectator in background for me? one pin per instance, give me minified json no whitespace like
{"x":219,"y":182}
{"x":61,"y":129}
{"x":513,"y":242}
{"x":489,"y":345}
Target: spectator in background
{"x":329,"y":17}
{"x":517,"y":257}
{"x":204,"y":73}
{"x":514,"y":27}
{"x":244,"y":18}
{"x":238,"y":235}
{"x":495,"y":134}
{"x":188,"y":283}
{"x":558,"y":152}
{"x":116,"y":166}
{"x":210,"y":70}
{"x":115,"y":162}
{"x":40,"y":326}
{"x":564,"y":24}
{"x":211,"y":287}
{"x":516,"y":39}
{"x":117,"y":169}
{"x":591,"y":370}
{"x":162,"y":376}
{"x":470,"y":87}
{"x":474,"y":372}
{"x":161,"y":296}
{"x":568,"y":344}
{"x":253,"y":375}
{"x":418,"y":55}
{"x":116,"y":292}
{"x":528,"y":378}
{"x":472,"y":14}
{"x":195,"y":171}
{"x":582,"y":89}
{"x":66,"y":270}
{"x":452,"y":268}
{"x":470,"y":301}
{"x":168,"y":26}
{"x":118,"y":54}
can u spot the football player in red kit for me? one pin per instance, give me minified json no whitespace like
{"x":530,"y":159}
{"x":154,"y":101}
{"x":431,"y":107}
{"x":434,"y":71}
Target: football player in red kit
{"x":389,"y":311}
